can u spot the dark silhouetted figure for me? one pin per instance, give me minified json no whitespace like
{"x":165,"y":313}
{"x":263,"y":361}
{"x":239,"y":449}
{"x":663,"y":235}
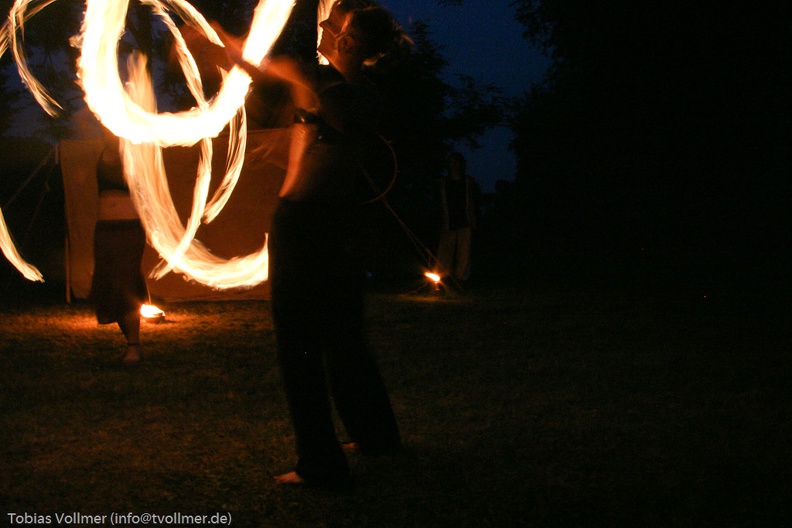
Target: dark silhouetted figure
{"x":317,"y":286}
{"x":459,"y":203}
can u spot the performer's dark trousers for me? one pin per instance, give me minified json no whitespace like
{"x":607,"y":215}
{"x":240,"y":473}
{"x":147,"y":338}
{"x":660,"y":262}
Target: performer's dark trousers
{"x":118,"y":286}
{"x":317,"y":306}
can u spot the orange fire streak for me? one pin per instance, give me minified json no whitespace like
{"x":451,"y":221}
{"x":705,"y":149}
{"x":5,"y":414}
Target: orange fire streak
{"x":9,"y":250}
{"x":130,"y":113}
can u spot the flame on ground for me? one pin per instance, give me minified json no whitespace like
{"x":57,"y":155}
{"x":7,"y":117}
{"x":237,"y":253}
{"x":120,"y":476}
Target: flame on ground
{"x":149,"y":311}
{"x":434,"y":277}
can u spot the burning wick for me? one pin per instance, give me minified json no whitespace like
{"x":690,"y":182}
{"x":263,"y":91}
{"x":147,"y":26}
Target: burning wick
{"x":434,"y":277}
{"x":151,"y":313}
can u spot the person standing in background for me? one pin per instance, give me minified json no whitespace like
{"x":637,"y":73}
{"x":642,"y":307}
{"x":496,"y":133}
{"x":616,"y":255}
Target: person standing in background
{"x":459,"y":196}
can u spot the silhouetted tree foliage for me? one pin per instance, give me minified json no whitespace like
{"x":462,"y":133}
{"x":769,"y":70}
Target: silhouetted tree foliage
{"x":660,"y":139}
{"x":425,"y":117}
{"x":9,"y":95}
{"x":233,"y":15}
{"x":51,"y":59}
{"x":9,"y":89}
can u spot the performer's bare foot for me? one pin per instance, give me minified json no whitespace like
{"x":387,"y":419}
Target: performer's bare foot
{"x":290,"y":479}
{"x":132,"y":356}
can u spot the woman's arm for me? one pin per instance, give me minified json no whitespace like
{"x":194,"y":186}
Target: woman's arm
{"x":302,"y":87}
{"x":284,"y":68}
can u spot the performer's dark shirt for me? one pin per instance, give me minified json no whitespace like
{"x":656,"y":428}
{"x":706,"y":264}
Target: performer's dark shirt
{"x":456,"y":195}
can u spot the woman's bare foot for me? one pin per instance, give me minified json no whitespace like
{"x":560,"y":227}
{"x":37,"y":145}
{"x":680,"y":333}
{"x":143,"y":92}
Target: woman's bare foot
{"x":132,"y":356}
{"x":290,"y":478}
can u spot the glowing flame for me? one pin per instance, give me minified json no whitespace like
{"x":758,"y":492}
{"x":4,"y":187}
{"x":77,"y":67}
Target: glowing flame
{"x":16,"y":19}
{"x":103,"y":27}
{"x":322,"y":13}
{"x":133,"y":117}
{"x":9,"y":250}
{"x":434,"y":277}
{"x":130,"y":113}
{"x":149,"y":311}
{"x":145,"y":173}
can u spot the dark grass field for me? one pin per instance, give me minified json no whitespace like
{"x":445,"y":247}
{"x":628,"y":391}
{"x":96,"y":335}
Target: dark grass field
{"x":520,"y":405}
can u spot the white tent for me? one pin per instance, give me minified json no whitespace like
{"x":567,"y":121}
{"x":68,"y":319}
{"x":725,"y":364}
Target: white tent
{"x":239,"y":230}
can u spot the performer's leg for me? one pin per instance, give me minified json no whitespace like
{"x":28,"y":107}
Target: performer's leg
{"x":445,"y":252}
{"x":463,"y":245}
{"x":129,"y":324}
{"x":359,"y":393}
{"x":295,"y":290}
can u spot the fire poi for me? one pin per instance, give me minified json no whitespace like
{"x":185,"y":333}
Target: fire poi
{"x":129,"y":111}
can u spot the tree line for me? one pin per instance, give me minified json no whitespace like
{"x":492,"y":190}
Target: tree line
{"x":659,"y":146}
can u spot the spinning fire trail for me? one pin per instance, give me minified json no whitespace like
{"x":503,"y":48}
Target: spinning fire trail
{"x":129,"y":112}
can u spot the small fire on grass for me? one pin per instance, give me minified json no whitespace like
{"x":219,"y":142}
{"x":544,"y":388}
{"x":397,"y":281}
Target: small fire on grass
{"x":151,"y":313}
{"x":435,"y":278}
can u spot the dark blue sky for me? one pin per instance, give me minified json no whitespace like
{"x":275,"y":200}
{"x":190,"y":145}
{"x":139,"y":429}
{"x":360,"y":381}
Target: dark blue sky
{"x":481,"y":38}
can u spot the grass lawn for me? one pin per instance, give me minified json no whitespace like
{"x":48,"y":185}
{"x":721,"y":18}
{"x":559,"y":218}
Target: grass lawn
{"x":519,"y":406}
